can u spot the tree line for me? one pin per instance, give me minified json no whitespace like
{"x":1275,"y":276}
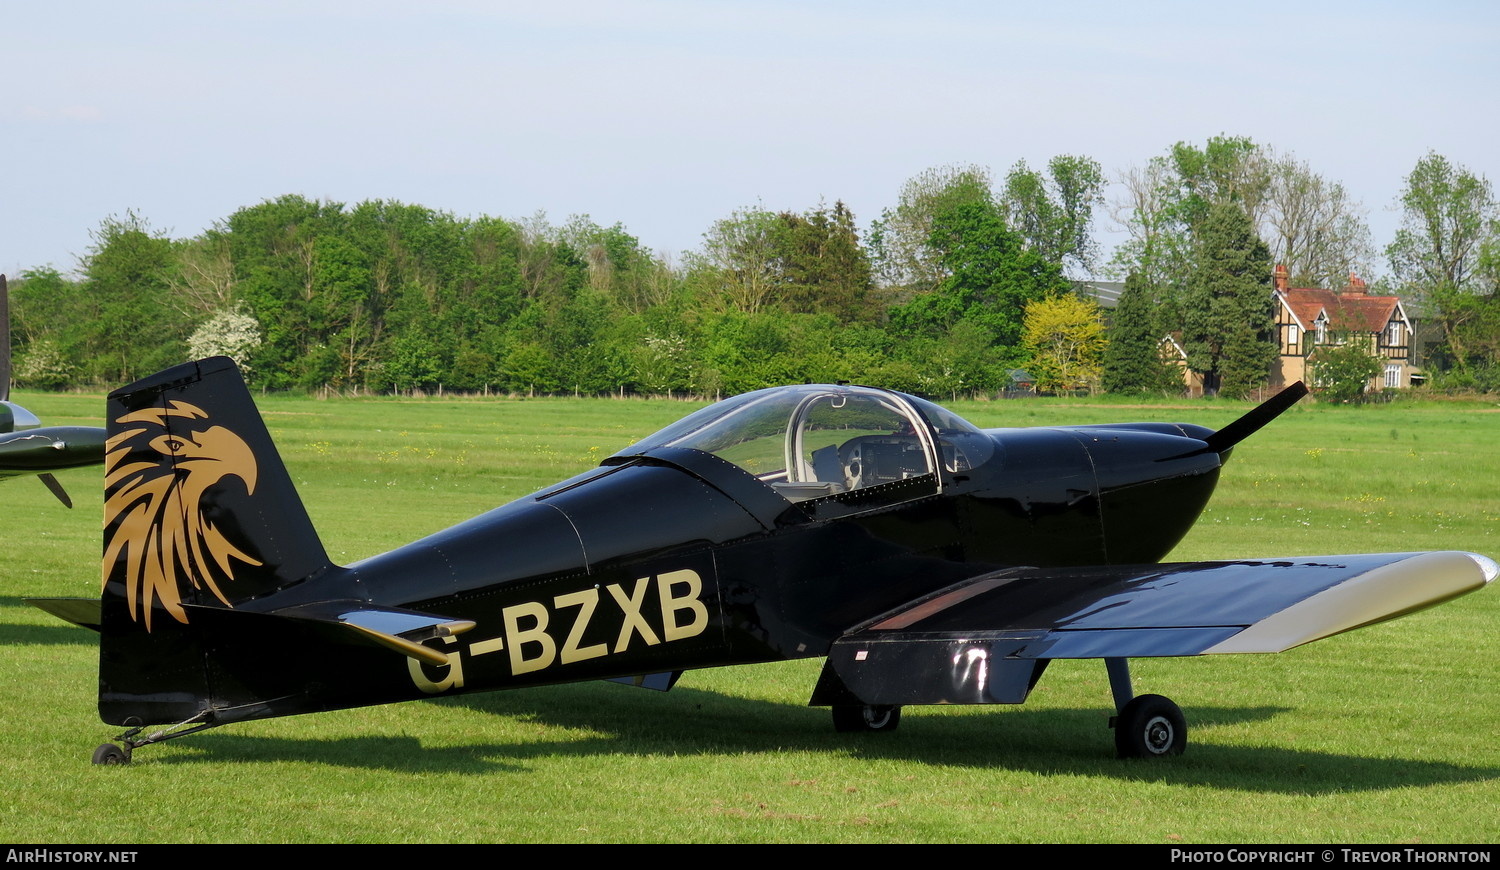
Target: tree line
{"x":961,"y":283}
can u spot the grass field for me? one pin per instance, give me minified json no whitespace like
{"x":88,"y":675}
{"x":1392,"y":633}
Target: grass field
{"x":1386,"y":735}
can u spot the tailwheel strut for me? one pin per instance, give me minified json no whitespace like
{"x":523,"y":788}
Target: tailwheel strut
{"x":128,"y":742}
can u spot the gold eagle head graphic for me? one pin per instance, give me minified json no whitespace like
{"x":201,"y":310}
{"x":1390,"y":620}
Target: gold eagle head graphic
{"x":156,"y":471}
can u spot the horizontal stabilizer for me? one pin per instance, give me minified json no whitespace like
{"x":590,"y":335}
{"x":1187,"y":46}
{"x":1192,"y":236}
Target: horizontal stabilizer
{"x":79,"y":611}
{"x":400,"y":630}
{"x":975,"y":641}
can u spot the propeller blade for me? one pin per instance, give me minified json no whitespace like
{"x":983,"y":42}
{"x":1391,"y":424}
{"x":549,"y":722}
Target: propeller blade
{"x":57,"y":489}
{"x":1259,"y":416}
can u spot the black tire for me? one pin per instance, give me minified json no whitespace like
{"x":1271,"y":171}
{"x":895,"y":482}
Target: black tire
{"x":110,"y":754}
{"x":1150,"y":726}
{"x":867,"y":719}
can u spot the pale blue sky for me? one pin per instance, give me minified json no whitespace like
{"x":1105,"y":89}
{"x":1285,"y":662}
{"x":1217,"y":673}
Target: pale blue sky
{"x":667,"y":116}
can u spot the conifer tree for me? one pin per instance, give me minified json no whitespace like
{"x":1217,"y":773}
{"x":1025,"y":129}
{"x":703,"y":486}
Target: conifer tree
{"x":1132,"y":359}
{"x":1228,"y":309}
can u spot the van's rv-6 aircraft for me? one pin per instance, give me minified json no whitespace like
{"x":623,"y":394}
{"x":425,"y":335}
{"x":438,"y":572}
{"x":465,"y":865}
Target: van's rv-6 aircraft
{"x":930,"y":562}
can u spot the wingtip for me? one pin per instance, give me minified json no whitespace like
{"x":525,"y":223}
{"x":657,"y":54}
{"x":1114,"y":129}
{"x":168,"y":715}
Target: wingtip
{"x":1487,"y":566}
{"x":1409,"y":582}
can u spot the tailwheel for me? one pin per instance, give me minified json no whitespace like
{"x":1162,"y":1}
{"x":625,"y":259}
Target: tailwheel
{"x":866,"y":718}
{"x":109,"y":753}
{"x":129,"y":742}
{"x":1150,"y":726}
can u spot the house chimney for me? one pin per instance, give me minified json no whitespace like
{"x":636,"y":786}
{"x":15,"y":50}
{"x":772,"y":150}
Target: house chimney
{"x":1356,"y":284}
{"x":1281,"y":275}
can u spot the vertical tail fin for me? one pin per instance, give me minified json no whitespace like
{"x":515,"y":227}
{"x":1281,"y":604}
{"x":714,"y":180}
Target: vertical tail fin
{"x":198,"y":508}
{"x":199,"y":516}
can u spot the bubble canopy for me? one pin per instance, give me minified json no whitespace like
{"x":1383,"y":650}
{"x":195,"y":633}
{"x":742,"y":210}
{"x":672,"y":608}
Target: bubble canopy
{"x":816,"y":440}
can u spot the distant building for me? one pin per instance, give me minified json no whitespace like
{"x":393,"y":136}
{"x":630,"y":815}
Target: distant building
{"x":1106,"y":293}
{"x":1307,"y":318}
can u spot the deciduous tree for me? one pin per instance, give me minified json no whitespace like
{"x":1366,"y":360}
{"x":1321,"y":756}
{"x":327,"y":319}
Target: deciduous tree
{"x":1341,"y":373}
{"x":1055,"y":213}
{"x":991,"y":276}
{"x":1169,"y":200}
{"x":900,"y":238}
{"x":1314,"y":227}
{"x":1064,"y":340}
{"x":127,"y":271}
{"x":1447,"y":253}
{"x":737,"y":270}
{"x":232,"y":332}
{"x":1449,"y":220}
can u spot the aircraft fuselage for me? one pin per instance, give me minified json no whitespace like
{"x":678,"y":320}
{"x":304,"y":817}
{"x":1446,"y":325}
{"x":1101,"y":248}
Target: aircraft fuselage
{"x":671,"y":560}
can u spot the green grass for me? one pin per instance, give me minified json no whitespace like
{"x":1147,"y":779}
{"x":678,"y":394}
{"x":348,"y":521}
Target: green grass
{"x":1386,"y":735}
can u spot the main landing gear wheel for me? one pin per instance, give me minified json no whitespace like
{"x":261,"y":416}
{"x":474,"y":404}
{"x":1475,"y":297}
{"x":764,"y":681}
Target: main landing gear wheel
{"x":111,"y":754}
{"x":1150,"y":726}
{"x":856,"y":718}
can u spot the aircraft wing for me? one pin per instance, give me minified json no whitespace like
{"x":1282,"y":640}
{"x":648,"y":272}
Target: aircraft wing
{"x":987,"y":639}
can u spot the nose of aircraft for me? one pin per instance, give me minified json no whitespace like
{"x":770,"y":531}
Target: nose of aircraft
{"x":1154,"y":480}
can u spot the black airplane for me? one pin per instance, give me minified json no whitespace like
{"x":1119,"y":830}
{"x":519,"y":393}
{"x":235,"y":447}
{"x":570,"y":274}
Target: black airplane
{"x":28,"y":447}
{"x":930,"y":562}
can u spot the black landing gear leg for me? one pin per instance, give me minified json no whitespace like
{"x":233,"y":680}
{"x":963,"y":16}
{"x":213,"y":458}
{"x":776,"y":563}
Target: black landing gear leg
{"x":1148,"y":726}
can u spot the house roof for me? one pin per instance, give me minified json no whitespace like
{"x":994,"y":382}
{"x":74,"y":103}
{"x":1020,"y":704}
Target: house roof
{"x":1347,"y":312}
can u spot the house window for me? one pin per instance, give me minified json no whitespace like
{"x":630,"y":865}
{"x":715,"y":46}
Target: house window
{"x":1293,"y":338}
{"x":1393,"y":375}
{"x":1322,"y":325}
{"x":1393,"y":334}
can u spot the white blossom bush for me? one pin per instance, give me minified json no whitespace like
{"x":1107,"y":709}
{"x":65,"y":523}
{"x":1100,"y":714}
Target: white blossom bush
{"x":43,"y":366}
{"x":232,"y":332}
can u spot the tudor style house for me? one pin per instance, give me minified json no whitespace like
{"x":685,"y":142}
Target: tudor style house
{"x":1307,"y":318}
